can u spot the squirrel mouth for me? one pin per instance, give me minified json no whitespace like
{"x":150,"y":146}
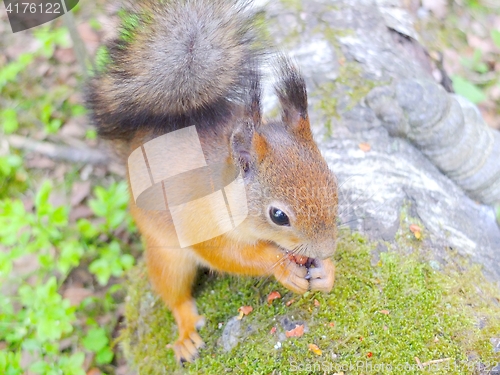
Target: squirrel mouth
{"x":301,"y":260}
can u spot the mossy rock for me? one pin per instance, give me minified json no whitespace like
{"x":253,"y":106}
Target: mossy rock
{"x":380,"y":318}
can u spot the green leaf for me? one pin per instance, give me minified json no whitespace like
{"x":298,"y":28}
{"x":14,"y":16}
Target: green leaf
{"x":39,"y":367}
{"x":45,"y":114}
{"x":495,"y":35}
{"x":101,"y":268}
{"x":87,"y":229}
{"x":72,"y":365}
{"x":9,"y":123}
{"x":71,"y":253}
{"x":54,"y":125}
{"x":127,"y":261}
{"x":468,"y":90}
{"x":42,"y":198}
{"x":51,"y":38}
{"x":104,"y":356}
{"x":78,"y":110}
{"x":59,"y":216}
{"x":115,"y":218}
{"x":10,"y":72}
{"x":91,"y":134}
{"x":97,"y":207}
{"x":10,"y":363}
{"x":95,"y":340}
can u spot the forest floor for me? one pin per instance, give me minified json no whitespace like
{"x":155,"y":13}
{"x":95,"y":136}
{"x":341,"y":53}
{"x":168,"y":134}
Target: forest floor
{"x":66,"y":239}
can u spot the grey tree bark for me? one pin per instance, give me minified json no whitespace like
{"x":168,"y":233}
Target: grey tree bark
{"x":431,"y":158}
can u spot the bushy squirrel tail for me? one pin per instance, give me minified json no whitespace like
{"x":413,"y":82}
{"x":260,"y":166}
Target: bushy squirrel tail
{"x":175,"y":63}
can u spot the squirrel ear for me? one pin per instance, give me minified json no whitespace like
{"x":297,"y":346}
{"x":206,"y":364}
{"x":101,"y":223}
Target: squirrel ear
{"x":292,"y":94}
{"x":247,"y":146}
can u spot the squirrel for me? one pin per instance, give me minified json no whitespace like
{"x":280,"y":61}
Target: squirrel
{"x":198,"y":62}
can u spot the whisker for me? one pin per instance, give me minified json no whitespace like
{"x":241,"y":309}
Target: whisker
{"x":354,"y":207}
{"x":344,"y":224}
{"x":346,"y":180}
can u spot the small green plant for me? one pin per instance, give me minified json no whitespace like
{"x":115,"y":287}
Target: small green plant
{"x":495,"y":36}
{"x":476,"y":62}
{"x":97,"y":341}
{"x":10,"y":363}
{"x":468,"y":90}
{"x":111,"y":262}
{"x":50,"y":38}
{"x":111,"y":204}
{"x":9,"y":123}
{"x":12,"y":174}
{"x":10,"y":71}
{"x":26,"y":104}
{"x":35,"y":318}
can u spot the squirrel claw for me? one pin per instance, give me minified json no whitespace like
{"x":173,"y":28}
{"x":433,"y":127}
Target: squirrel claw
{"x":322,"y":276}
{"x":293,"y":277}
{"x":186,"y":350}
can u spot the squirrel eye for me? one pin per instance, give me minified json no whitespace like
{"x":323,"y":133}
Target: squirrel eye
{"x":278,"y":217}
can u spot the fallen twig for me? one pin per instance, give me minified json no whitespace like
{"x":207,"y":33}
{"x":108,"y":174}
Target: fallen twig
{"x":57,"y":152}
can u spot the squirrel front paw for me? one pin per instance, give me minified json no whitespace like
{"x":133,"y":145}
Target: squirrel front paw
{"x":186,"y":347}
{"x":189,"y":341}
{"x":292,"y":276}
{"x":322,"y":275}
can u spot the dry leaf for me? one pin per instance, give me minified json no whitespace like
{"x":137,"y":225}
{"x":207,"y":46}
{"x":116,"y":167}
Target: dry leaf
{"x":289,"y":302}
{"x":79,"y":192}
{"x":365,"y":147}
{"x":244,"y":310}
{"x":298,"y":331}
{"x":415,"y":228}
{"x":316,"y":303}
{"x":272,"y":296}
{"x":76,"y":295}
{"x":94,"y":371}
{"x":385,"y":312}
{"x":315,"y":349}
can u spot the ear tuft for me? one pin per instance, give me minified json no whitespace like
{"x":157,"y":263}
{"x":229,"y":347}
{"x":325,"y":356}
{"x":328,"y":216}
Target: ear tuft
{"x":253,"y":105}
{"x":292,"y":94}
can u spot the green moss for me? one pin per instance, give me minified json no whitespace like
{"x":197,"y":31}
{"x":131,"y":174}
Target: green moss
{"x":358,"y":87}
{"x":350,"y":82}
{"x":431,"y":315}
